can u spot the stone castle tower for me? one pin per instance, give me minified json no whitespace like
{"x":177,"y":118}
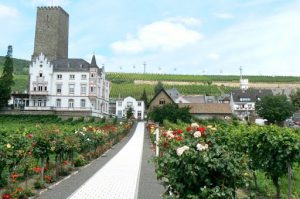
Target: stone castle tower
{"x":51,"y":33}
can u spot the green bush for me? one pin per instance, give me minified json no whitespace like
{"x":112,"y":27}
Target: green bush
{"x":80,"y":161}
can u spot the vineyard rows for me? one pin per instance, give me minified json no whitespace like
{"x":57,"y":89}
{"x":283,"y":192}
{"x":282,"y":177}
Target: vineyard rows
{"x":197,"y":78}
{"x":136,"y":90}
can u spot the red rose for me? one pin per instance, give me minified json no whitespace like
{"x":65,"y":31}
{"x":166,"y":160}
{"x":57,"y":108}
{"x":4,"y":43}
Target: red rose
{"x":6,"y":196}
{"x":29,"y":135}
{"x":201,"y":129}
{"x":165,"y":144}
{"x":188,"y":128}
{"x":179,"y":131}
{"x":179,"y":138}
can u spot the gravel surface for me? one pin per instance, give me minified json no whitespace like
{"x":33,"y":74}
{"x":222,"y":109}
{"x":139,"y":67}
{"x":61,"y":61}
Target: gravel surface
{"x":149,"y":187}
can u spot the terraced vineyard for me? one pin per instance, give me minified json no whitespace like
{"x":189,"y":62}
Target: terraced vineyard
{"x":136,"y":90}
{"x":198,"y":78}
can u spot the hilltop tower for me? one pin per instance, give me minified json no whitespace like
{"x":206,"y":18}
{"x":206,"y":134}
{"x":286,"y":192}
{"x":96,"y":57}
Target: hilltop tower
{"x":51,"y":33}
{"x":244,"y":83}
{"x":9,"y":51}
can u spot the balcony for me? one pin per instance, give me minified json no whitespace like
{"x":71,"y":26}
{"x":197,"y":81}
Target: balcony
{"x":38,"y":93}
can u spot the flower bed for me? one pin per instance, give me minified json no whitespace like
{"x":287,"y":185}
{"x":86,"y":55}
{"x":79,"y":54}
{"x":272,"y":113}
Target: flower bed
{"x":44,"y":153}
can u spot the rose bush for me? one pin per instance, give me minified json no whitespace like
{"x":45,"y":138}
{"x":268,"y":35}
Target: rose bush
{"x":197,"y":165}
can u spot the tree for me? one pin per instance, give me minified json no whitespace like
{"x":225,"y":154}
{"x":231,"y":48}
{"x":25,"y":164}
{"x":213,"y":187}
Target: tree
{"x":158,"y":87}
{"x":145,"y":98}
{"x":170,"y":112}
{"x":274,"y":108}
{"x":295,"y":98}
{"x":6,"y":81}
{"x":129,"y":113}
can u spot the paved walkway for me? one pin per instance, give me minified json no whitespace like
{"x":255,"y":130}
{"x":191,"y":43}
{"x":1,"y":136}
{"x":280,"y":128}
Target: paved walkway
{"x":117,"y":175}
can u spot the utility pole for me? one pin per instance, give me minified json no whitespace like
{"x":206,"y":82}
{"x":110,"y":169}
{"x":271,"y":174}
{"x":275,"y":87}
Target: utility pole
{"x":144,"y":67}
{"x":241,"y":72}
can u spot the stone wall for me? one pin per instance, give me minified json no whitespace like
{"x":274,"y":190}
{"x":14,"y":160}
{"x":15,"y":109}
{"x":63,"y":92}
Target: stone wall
{"x":51,"y":33}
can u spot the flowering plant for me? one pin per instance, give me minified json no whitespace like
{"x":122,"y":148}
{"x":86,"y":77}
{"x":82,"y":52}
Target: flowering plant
{"x":197,"y":165}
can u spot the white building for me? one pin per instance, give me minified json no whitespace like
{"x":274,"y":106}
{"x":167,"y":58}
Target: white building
{"x":243,"y":101}
{"x":138,"y":107}
{"x":68,"y":85}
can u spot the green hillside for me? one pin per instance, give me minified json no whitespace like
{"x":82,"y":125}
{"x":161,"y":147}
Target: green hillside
{"x":130,"y":77}
{"x":20,"y":65}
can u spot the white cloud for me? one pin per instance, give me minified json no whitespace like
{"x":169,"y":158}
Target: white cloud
{"x":223,"y":15}
{"x":8,"y":12}
{"x":163,"y":35}
{"x":263,"y":45}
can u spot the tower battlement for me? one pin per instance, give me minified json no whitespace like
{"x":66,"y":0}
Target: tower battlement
{"x":52,"y":8}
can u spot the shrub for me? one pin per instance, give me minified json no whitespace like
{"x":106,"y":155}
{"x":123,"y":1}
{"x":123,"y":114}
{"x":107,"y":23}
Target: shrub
{"x":80,"y":161}
{"x":39,"y":184}
{"x":194,"y":165}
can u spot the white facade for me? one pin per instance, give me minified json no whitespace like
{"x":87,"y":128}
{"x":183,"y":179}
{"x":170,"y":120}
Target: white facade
{"x":138,"y":107}
{"x":60,"y":86}
{"x":244,"y":84}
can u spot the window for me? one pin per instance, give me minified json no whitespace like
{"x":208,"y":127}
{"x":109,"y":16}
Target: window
{"x":139,"y":114}
{"x":45,"y":88}
{"x":59,"y":76}
{"x":83,"y":89}
{"x":245,"y":99}
{"x":119,"y":103}
{"x":92,"y":75}
{"x":58,"y":88}
{"x":34,"y":88}
{"x":39,"y":102}
{"x":119,"y":113}
{"x":34,"y":102}
{"x":93,"y":89}
{"x":40,"y":88}
{"x":82,"y":103}
{"x":71,"y":103}
{"x":139,"y":103}
{"x":58,"y":103}
{"x":41,"y":74}
{"x":71,"y":88}
{"x":83,"y":77}
{"x":162,"y":101}
{"x":72,"y":77}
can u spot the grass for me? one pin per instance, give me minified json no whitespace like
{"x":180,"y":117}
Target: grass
{"x":266,"y":188}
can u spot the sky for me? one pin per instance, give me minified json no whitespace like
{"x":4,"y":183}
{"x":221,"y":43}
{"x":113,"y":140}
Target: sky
{"x":170,"y":36}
